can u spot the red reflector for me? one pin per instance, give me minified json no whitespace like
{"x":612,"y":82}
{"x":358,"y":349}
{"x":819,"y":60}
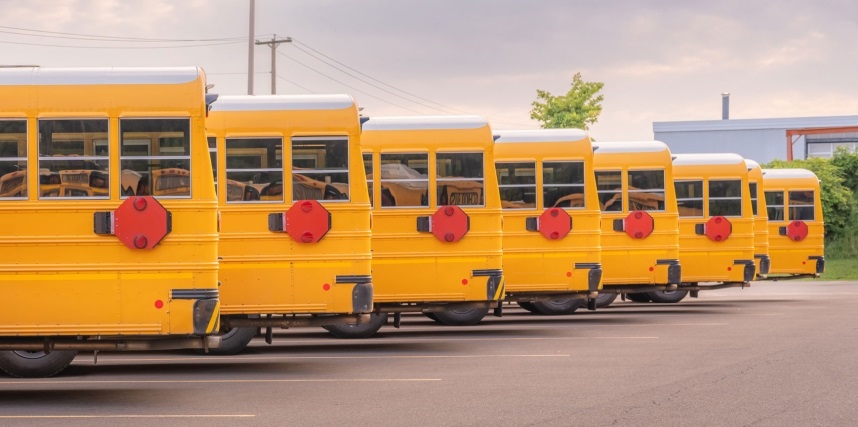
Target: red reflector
{"x":568,"y":274}
{"x":140,"y":241}
{"x":326,"y":287}
{"x":729,"y":268}
{"x":464,"y":281}
{"x":651,"y":269}
{"x":159,"y":304}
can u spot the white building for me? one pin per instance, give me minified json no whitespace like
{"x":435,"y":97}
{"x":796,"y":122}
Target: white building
{"x":762,"y":140}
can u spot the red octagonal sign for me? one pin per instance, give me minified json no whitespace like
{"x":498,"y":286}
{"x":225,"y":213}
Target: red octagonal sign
{"x":555,"y":223}
{"x":797,"y":230}
{"x":450,"y":223}
{"x":307,"y":221}
{"x":718,"y":228}
{"x":141,"y":222}
{"x":638,"y":224}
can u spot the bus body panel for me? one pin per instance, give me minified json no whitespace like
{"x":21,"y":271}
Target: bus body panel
{"x":410,"y":266}
{"x":62,"y":279}
{"x":533,"y":263}
{"x":267,"y":272}
{"x":788,"y":256}
{"x":638,"y":261}
{"x":704,"y":259}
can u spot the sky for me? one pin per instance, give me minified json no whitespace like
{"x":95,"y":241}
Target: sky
{"x":660,"y":60}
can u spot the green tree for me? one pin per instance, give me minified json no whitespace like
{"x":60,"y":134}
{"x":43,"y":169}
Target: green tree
{"x":578,"y":108}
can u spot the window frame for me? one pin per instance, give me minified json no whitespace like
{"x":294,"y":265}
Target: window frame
{"x":710,"y":199}
{"x":582,"y":185}
{"x":628,"y":191}
{"x":227,"y":170}
{"x":428,"y":180}
{"x":106,"y":158}
{"x":321,"y":138}
{"x":702,"y":197}
{"x":19,"y":159}
{"x":535,"y":184}
{"x":189,"y":157}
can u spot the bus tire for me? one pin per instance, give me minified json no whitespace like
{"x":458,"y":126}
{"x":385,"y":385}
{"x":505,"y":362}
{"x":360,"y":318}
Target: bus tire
{"x":528,"y":306}
{"x":233,"y":341}
{"x":557,"y":307}
{"x":462,"y":317}
{"x":605,"y":299}
{"x":638,"y":296}
{"x":363,"y":330}
{"x":667,"y":297}
{"x":35,"y":364}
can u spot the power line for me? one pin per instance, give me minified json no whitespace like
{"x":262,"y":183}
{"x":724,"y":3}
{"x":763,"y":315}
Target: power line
{"x":110,"y":38}
{"x":119,"y":47}
{"x":347,"y":85}
{"x":299,"y":45}
{"x":296,"y":84}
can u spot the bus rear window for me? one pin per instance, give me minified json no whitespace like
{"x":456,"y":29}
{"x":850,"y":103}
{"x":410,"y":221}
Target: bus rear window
{"x":254,"y":170}
{"x":689,"y":198}
{"x":517,"y":184}
{"x":801,"y":205}
{"x":775,"y":205}
{"x":646,"y":190}
{"x":563,"y":184}
{"x":320,"y":168}
{"x":460,"y":179}
{"x":609,"y":186}
{"x":73,"y":158}
{"x":404,"y":180}
{"x":155,"y":157}
{"x":725,"y":198}
{"x":13,"y":159}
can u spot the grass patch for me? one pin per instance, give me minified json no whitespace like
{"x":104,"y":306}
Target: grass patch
{"x":840,"y":269}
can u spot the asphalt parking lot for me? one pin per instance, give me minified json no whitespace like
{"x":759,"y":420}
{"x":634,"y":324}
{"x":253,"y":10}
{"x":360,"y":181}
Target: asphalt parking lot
{"x":774,"y":354}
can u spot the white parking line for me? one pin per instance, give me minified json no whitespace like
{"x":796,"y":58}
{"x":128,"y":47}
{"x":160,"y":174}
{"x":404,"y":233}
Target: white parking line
{"x":37,"y":417}
{"x":221,"y":381}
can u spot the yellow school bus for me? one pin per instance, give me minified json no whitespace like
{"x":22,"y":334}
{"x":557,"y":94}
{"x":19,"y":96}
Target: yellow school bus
{"x":640,"y":227}
{"x":294,"y":252}
{"x":84,"y":265}
{"x":436,"y":223}
{"x":761,"y":219}
{"x":716,"y":222}
{"x":796,"y":227}
{"x":551,"y":233}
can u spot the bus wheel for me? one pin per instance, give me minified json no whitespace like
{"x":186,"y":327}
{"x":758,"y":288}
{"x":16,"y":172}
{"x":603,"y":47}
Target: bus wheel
{"x":233,"y":341}
{"x":363,"y":330}
{"x":605,"y":299}
{"x":556,"y":307}
{"x":462,"y":317}
{"x":34,"y":364}
{"x":638,"y":296}
{"x":669,"y":297}
{"x":528,"y":306}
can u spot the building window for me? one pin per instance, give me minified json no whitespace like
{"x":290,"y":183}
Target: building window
{"x":517,"y":183}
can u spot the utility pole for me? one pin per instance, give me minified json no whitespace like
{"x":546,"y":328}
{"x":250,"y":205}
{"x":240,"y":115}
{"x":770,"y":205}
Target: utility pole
{"x":273,"y":44}
{"x":250,"y":48}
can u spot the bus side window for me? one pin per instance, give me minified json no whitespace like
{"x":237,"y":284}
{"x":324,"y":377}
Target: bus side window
{"x":609,"y":187}
{"x":646,"y":190}
{"x":460,"y":179}
{"x":13,"y":152}
{"x":563,"y":184}
{"x":517,"y":184}
{"x":405,"y":179}
{"x":320,"y":168}
{"x":725,"y":197}
{"x":254,"y":169}
{"x":689,"y":198}
{"x":159,"y":150}
{"x":801,"y":205}
{"x":74,"y":150}
{"x":775,"y":205}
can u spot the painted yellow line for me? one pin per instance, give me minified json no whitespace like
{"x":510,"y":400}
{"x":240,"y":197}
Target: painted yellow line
{"x":102,"y":359}
{"x":43,"y":417}
{"x":319,"y":380}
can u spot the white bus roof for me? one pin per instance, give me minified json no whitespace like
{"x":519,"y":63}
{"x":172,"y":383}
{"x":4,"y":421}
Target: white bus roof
{"x":707,"y":159}
{"x":602,"y":147}
{"x":788,"y":173}
{"x":751,"y":164}
{"x":282,"y":102}
{"x":540,"y":135}
{"x":424,"y":122}
{"x":21,"y":76}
